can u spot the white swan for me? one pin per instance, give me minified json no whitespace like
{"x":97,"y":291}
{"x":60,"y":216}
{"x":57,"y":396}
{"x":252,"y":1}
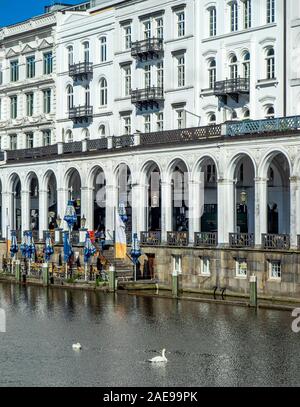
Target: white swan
{"x":76,"y":346}
{"x":158,"y":359}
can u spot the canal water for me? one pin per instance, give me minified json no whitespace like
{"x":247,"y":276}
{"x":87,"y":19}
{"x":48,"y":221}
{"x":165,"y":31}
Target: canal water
{"x":207,"y":344}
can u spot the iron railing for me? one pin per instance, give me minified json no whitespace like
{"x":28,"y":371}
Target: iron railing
{"x":80,"y":112}
{"x":241,"y":240}
{"x":181,"y":135}
{"x":282,"y":124}
{"x":152,"y":238}
{"x":71,"y":148}
{"x":275,"y":242}
{"x":177,"y":238}
{"x":2,"y":156}
{"x":150,"y":94}
{"x":82,"y":68}
{"x":32,"y":153}
{"x":209,"y":239}
{"x":97,"y":144}
{"x":232,"y":86}
{"x":123,"y":141}
{"x":152,"y":46}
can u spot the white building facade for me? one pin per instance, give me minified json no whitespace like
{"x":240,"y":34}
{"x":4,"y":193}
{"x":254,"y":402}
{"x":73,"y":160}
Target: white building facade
{"x":201,"y":95}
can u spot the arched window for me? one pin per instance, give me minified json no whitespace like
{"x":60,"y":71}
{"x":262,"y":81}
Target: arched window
{"x":70,"y":97}
{"x":270,"y":11}
{"x":212,"y":21}
{"x":246,"y":65}
{"x":212,"y":73}
{"x":270,"y":59}
{"x":87,"y":95}
{"x":86,"y":51}
{"x":103,"y":92}
{"x":69,"y":136}
{"x":103,"y":49}
{"x":102,"y":131}
{"x":212,"y":118}
{"x":246,"y":114}
{"x":234,"y":16}
{"x":233,"y":115}
{"x":233,"y":67}
{"x":86,"y":134}
{"x":270,"y":112}
{"x":70,"y":55}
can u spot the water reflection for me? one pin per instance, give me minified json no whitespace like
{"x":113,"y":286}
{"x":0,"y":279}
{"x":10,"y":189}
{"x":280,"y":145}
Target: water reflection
{"x":206,"y":344}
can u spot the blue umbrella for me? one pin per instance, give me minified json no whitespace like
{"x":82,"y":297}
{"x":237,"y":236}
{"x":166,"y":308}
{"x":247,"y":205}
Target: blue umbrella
{"x":68,"y":250}
{"x":48,"y":247}
{"x":30,"y":246}
{"x":89,"y":251}
{"x":23,"y":246}
{"x":70,"y":215}
{"x":14,"y":245}
{"x":122,"y":212}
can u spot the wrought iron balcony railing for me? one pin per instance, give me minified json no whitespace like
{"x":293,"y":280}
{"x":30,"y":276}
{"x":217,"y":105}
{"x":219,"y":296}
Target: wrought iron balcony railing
{"x":231,"y":87}
{"x":177,"y":238}
{"x":144,"y":49}
{"x":148,"y":96}
{"x":32,"y":153}
{"x":80,"y":113}
{"x":152,"y":238}
{"x":241,"y":240}
{"x":97,"y":144}
{"x":282,"y":124}
{"x":123,"y":141}
{"x":71,"y":148}
{"x":80,"y":70}
{"x":276,"y":242}
{"x":209,"y":239}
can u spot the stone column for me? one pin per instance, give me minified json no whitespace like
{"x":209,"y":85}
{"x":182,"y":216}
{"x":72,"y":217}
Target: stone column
{"x":62,"y":200}
{"x":138,"y":209}
{"x":7,"y":213}
{"x":293,"y":211}
{"x":43,"y":212}
{"x":261,"y":214}
{"x":87,"y":206}
{"x":111,"y":204}
{"x":226,"y":210}
{"x":25,"y":209}
{"x":196,"y":201}
{"x":166,"y":210}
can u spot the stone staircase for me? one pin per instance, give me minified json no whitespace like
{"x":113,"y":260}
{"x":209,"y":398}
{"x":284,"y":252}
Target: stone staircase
{"x":121,"y":265}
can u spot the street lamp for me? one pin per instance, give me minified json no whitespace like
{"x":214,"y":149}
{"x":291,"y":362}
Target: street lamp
{"x":83,"y":222}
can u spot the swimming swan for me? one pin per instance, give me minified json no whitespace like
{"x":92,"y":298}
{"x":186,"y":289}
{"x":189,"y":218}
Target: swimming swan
{"x":158,"y":359}
{"x":76,"y":346}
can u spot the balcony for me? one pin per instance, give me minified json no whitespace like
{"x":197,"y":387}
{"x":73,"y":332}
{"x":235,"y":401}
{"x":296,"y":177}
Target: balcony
{"x":178,"y":238}
{"x":276,"y":242}
{"x":123,"y":141}
{"x":35,"y":153}
{"x":147,"y":49}
{"x":80,"y":114}
{"x":207,"y":239}
{"x":72,"y":148}
{"x":231,"y":87}
{"x":80,"y":71}
{"x":148,"y":97}
{"x":152,"y":238}
{"x":241,"y":240}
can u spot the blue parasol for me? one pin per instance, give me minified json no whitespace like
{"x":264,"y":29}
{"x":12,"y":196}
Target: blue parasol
{"x":135,"y":252}
{"x":89,"y":248}
{"x":14,"y":245}
{"x":122,"y":212}
{"x":30,"y":249}
{"x":70,"y":215}
{"x":23,"y":246}
{"x":68,"y":250}
{"x":48,"y":247}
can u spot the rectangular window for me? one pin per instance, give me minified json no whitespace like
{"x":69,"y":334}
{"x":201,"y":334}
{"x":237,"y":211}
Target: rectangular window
{"x":48,"y":63}
{"x":180,"y":119}
{"x":13,"y":142}
{"x":159,"y":121}
{"x":160,"y":28}
{"x":160,"y":75}
{"x":234,"y":16}
{"x":127,"y":80}
{"x":126,"y":125}
{"x":205,"y":266}
{"x":103,"y":49}
{"x":270,"y":11}
{"x":177,"y":266}
{"x":212,"y":22}
{"x":275,"y":270}
{"x":247,"y":14}
{"x":30,"y":67}
{"x":13,"y":107}
{"x":127,"y":37}
{"x":147,"y":76}
{"x":147,"y":123}
{"x":147,"y":29}
{"x":181,"y":71}
{"x":181,"y":24}
{"x":29,"y":140}
{"x":29,"y":104}
{"x":14,"y":71}
{"x":46,"y":138}
{"x":241,"y":268}
{"x":47,"y":100}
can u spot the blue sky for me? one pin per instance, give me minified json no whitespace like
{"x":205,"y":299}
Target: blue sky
{"x":13,"y":11}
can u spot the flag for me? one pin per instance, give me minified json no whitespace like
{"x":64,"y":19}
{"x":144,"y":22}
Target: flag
{"x":120,"y":239}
